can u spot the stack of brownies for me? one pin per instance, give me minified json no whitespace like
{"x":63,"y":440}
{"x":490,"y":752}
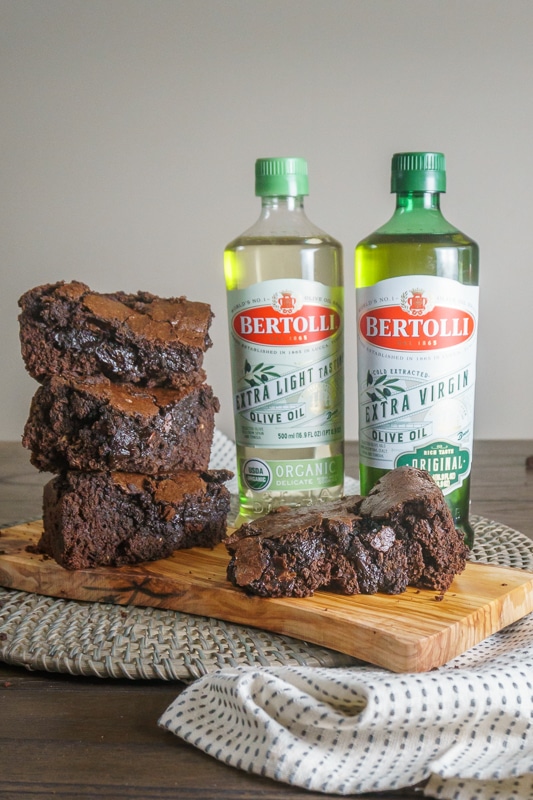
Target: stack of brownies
{"x":124,"y":417}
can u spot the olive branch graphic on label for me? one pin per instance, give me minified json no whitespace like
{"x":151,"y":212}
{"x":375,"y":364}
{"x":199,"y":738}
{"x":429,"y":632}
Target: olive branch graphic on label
{"x":259,"y":374}
{"x":382,"y":387}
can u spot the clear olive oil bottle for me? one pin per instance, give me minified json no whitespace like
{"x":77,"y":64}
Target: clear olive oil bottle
{"x":416,"y":283}
{"x":284,"y":281}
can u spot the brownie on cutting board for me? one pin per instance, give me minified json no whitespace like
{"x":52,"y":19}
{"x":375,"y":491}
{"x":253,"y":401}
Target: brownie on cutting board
{"x":97,"y":426}
{"x":401,"y":534}
{"x":67,"y":330}
{"x":96,"y":519}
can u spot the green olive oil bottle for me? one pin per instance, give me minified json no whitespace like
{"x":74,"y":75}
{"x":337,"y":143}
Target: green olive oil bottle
{"x":416,"y":283}
{"x":285,"y":295}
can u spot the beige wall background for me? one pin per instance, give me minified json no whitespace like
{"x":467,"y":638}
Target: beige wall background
{"x":130,"y":130}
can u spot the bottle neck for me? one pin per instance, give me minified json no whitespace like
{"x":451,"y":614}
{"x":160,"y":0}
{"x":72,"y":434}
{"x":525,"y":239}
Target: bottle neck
{"x":281,"y":205}
{"x":417,"y":201}
{"x":417,"y":212}
{"x":284,"y":216}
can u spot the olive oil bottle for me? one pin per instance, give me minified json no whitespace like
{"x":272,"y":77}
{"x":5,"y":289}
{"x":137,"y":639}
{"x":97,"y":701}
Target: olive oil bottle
{"x":416,"y":283}
{"x":284,"y":281}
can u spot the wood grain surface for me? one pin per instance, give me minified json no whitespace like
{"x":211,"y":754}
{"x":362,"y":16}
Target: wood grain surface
{"x":414,"y":631}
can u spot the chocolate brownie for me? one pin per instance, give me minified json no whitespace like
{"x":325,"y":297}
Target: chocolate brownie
{"x":401,"y":534}
{"x":96,"y":519}
{"x":412,"y":504}
{"x":72,"y":332}
{"x":99,"y":426}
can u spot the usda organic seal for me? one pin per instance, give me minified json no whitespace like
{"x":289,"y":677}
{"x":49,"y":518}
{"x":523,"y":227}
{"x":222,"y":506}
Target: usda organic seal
{"x":257,"y":474}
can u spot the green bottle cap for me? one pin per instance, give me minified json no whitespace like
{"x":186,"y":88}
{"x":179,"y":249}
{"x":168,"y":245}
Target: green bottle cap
{"x":281,"y":176}
{"x":418,"y":172}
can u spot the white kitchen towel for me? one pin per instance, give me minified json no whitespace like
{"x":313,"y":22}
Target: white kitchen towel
{"x":465,"y":729}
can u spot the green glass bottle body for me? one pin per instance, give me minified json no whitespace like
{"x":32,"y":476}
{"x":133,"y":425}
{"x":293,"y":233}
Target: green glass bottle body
{"x":416,"y":246}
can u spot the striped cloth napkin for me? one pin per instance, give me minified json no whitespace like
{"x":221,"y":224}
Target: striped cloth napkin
{"x":464,"y":730}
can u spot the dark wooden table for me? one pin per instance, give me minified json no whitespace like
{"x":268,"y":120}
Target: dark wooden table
{"x":72,"y":737}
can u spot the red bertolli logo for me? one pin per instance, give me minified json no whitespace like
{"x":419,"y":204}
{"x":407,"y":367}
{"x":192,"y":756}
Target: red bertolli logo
{"x":417,"y":323}
{"x":286,"y":322}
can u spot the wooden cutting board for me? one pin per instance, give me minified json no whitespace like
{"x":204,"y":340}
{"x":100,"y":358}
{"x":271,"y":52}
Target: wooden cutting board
{"x":411,"y":632}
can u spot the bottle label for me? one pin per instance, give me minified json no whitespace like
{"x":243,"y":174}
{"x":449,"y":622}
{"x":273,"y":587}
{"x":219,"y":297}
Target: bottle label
{"x":416,"y":375}
{"x":287,"y":364}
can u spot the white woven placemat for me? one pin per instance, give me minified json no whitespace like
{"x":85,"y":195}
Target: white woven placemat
{"x":112,"y":641}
